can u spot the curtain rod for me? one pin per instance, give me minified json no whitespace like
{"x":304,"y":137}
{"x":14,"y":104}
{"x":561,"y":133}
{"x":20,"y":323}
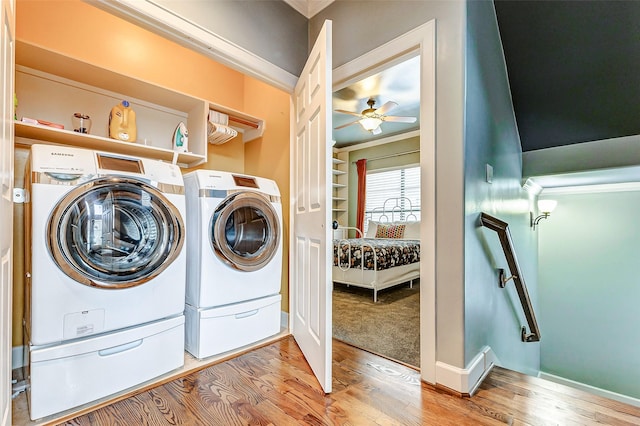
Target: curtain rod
{"x":390,"y":155}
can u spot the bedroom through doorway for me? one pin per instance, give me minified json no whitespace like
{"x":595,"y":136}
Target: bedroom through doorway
{"x":376,"y":270}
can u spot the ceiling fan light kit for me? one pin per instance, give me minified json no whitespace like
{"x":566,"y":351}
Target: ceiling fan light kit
{"x":370,"y":123}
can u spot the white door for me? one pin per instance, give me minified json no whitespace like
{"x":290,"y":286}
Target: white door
{"x":6,"y":207}
{"x":310,"y":274}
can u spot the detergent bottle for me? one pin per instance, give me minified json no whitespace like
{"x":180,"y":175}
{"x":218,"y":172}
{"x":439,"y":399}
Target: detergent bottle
{"x":122,"y":122}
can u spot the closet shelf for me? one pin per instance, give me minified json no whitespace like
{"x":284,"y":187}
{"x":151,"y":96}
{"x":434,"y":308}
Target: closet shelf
{"x":68,"y":137}
{"x":250,"y":127}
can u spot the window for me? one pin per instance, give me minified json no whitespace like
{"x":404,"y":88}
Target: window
{"x":403,"y":184}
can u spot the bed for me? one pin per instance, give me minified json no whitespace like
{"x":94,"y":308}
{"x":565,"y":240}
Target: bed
{"x":388,"y":255}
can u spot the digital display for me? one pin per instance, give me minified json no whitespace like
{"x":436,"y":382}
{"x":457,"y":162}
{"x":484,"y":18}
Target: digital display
{"x":245,"y":181}
{"x":119,"y":164}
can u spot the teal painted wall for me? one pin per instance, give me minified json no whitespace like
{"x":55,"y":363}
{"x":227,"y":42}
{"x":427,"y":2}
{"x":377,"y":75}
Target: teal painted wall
{"x":493,"y":316}
{"x":590,"y":290}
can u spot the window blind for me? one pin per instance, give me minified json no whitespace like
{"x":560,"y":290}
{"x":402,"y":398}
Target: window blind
{"x":383,"y":185}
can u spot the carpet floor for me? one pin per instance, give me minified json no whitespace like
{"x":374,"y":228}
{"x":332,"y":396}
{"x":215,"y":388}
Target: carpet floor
{"x":390,"y":327}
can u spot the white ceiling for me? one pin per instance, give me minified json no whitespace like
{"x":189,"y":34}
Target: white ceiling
{"x":399,"y":83}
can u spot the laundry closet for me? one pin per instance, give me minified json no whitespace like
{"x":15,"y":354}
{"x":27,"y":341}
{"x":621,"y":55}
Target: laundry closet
{"x":166,"y":85}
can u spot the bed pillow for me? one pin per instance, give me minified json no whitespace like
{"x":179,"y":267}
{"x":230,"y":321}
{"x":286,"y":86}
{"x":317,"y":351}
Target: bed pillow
{"x":390,"y":231}
{"x":412,"y":231}
{"x":372,"y":229}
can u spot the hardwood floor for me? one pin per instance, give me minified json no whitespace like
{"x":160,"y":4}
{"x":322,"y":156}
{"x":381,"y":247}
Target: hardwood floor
{"x":273,"y":385}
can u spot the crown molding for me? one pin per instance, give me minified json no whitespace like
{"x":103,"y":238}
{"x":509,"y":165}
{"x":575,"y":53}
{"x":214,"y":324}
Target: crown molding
{"x":308,"y":8}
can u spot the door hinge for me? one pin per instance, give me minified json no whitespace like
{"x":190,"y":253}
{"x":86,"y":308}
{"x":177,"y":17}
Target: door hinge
{"x":20,"y":195}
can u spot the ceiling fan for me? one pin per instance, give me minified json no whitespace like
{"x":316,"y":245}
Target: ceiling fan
{"x":370,"y":118}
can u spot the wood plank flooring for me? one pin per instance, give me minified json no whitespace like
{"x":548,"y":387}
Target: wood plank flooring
{"x":273,"y":385}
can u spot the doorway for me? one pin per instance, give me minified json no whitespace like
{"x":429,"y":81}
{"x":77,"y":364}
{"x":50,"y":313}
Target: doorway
{"x":419,"y":42}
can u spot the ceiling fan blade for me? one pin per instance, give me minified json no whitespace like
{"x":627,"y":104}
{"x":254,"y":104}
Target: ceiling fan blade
{"x":376,"y":131}
{"x":397,"y":119}
{"x":386,"y":107}
{"x":345,"y":125}
{"x":342,"y":111}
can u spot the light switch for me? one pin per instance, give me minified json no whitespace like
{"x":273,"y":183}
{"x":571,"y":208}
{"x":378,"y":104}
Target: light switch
{"x":489,"y":173}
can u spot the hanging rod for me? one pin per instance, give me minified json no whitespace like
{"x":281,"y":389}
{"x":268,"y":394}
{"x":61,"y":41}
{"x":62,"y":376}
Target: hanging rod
{"x":382,"y":157}
{"x":243,"y":121}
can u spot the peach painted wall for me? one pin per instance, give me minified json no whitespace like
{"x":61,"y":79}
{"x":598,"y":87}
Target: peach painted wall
{"x":107,"y":41}
{"x":79,"y":30}
{"x":269,"y":156}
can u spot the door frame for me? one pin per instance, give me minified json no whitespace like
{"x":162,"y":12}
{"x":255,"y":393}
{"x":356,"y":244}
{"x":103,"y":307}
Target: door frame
{"x":421,"y":40}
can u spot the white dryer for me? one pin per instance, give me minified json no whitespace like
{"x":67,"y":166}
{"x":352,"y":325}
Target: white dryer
{"x":107,"y":262}
{"x":234,"y":260}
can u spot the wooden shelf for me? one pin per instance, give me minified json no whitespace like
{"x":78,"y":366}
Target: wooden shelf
{"x":51,"y":86}
{"x":47,"y":134}
{"x":340,"y":194}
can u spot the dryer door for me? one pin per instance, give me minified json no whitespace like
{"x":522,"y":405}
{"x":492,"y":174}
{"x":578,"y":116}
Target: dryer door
{"x":245,"y":231}
{"x":114,"y":232}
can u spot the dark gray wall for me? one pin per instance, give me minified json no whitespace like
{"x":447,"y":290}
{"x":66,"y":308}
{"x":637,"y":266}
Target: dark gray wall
{"x":360,"y":26}
{"x":270,"y":29}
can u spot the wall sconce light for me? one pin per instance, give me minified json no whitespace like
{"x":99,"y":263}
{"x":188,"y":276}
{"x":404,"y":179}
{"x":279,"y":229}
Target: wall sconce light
{"x":545,"y":207}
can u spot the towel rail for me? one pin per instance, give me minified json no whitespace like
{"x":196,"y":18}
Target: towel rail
{"x":502,"y":229}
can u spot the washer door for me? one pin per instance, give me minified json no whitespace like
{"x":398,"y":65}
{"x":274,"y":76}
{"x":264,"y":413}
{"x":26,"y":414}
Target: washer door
{"x":245,"y":231}
{"x":114,"y":232}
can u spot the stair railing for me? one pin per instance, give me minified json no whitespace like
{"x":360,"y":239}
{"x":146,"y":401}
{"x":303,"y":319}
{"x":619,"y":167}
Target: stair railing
{"x":502,"y":229}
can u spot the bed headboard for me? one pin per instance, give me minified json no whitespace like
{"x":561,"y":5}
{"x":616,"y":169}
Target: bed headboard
{"x":393,"y":210}
{"x":393,"y":213}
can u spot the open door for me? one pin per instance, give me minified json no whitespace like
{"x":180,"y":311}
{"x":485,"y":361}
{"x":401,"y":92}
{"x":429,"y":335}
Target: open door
{"x":6,"y":207}
{"x":310,"y":274}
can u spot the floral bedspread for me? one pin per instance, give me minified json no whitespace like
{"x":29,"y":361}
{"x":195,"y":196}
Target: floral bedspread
{"x":388,"y":253}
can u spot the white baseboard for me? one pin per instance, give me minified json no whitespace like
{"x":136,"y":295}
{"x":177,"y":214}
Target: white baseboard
{"x":591,"y":389}
{"x":17,"y":357}
{"x":465,"y":380}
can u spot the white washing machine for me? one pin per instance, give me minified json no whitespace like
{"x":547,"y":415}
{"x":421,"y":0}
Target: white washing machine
{"x":234,"y":260}
{"x":107,"y":265}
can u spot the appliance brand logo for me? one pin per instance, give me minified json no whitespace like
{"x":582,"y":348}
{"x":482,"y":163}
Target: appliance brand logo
{"x":62,"y":154}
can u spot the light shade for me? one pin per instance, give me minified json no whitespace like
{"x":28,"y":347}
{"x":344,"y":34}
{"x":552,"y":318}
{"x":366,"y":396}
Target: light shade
{"x":547,"y":206}
{"x":370,"y":123}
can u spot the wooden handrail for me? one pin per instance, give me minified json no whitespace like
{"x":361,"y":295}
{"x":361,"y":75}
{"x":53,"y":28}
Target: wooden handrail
{"x":502,"y":229}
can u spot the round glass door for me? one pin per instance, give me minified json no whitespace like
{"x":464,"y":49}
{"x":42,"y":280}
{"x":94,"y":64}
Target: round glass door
{"x":114,"y":232}
{"x":245,"y":231}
